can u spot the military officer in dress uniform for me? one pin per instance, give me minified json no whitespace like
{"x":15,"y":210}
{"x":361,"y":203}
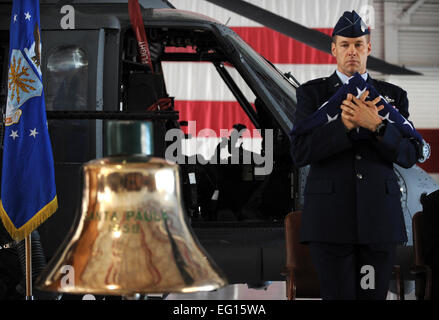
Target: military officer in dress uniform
{"x":352,"y":216}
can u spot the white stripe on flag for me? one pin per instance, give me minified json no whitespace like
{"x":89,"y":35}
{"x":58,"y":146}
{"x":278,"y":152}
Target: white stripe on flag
{"x":207,"y":85}
{"x":201,"y":81}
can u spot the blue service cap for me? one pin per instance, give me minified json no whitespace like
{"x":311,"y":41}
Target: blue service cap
{"x":350,"y":25}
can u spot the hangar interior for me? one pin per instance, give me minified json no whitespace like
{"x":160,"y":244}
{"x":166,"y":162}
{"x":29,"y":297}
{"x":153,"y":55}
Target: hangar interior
{"x":404,"y":33}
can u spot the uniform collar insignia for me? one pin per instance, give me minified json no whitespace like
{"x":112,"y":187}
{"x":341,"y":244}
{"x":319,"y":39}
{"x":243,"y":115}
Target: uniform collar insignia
{"x":388,"y":99}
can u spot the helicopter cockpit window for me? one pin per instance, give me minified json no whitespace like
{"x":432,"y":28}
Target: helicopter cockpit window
{"x":67,"y":86}
{"x":213,"y":97}
{"x":280,"y":88}
{"x":67,"y":75}
{"x":213,"y":94}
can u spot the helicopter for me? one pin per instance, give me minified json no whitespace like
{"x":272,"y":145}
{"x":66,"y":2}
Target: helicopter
{"x":90,"y":64}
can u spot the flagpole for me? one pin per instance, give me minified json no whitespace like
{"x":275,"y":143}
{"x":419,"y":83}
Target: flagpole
{"x":28,"y":248}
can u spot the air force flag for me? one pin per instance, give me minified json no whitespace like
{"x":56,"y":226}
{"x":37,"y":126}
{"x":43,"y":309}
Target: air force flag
{"x":28,"y":192}
{"x":356,"y":85}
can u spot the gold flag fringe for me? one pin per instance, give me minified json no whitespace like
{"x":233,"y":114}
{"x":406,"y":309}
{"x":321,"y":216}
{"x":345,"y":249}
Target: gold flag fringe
{"x":32,"y":224}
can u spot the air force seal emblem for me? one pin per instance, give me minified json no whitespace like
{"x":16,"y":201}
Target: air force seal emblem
{"x":23,"y":84}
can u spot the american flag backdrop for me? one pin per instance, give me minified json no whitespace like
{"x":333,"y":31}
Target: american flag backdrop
{"x":208,"y":101}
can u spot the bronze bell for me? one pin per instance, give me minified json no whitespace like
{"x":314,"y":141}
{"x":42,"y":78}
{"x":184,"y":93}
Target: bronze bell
{"x":131,"y":235}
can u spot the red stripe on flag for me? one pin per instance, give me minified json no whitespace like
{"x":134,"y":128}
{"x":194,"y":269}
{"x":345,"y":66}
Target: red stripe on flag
{"x":279,"y":48}
{"x":214,"y":115}
{"x":432,"y":138}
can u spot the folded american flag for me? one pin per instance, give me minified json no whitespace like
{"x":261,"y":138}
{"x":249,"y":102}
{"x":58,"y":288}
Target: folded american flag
{"x":330,"y":111}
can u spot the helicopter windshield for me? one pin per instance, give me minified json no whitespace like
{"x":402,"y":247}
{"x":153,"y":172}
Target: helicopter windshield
{"x":274,"y":84}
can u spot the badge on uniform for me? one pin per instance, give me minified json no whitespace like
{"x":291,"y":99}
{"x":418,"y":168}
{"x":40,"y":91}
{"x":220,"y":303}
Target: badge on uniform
{"x":388,"y":99}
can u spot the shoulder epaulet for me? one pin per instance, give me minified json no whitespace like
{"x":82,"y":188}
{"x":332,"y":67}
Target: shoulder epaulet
{"x":315,"y":81}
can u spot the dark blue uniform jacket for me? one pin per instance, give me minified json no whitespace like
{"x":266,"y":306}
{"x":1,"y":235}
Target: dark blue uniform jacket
{"x":352,"y":193}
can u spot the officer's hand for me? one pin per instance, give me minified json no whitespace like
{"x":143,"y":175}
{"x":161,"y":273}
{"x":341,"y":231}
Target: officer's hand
{"x":347,"y":123}
{"x":361,"y":112}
